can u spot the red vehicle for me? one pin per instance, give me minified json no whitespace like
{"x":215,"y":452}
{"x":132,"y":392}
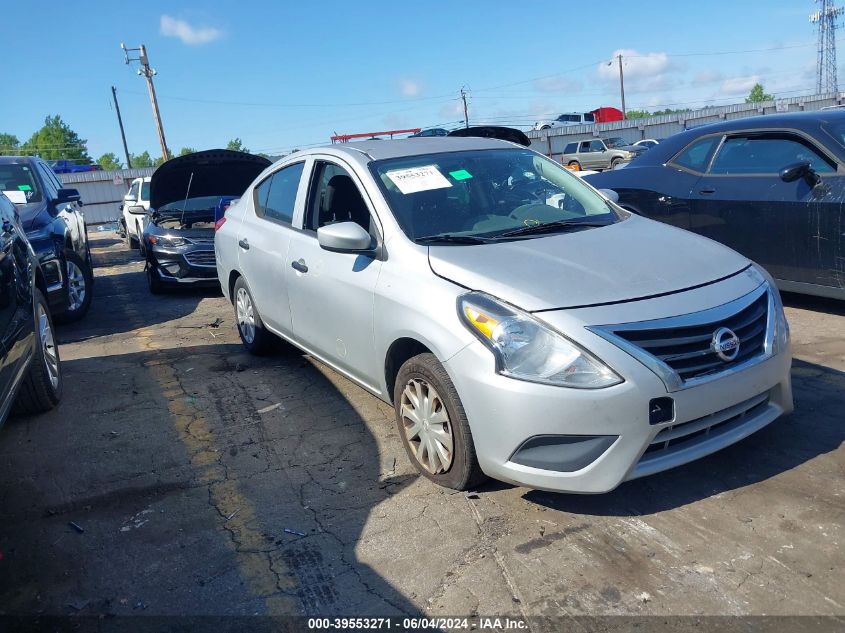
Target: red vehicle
{"x":606,"y":115}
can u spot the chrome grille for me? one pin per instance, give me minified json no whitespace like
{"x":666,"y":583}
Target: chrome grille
{"x":200,"y":258}
{"x":685,"y":434}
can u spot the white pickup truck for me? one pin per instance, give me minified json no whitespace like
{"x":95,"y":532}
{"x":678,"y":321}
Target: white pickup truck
{"x":132,"y":220}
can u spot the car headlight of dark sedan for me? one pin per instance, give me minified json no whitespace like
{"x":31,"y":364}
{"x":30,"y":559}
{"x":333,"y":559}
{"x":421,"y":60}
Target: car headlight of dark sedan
{"x":167,"y":241}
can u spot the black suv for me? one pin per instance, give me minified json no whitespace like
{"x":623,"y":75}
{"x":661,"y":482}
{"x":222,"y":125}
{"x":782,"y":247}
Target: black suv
{"x":30,"y":371}
{"x":51,"y":216}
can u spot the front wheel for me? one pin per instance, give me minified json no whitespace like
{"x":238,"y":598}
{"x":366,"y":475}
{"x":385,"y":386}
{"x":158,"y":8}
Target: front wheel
{"x":153,"y":281}
{"x":615,"y":162}
{"x":254,"y":335}
{"x":41,"y":390}
{"x":79,"y":281}
{"x":433,"y":424}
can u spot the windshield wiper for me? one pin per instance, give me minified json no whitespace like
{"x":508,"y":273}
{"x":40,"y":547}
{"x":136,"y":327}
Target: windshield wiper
{"x":448,"y":238}
{"x":551,"y":227}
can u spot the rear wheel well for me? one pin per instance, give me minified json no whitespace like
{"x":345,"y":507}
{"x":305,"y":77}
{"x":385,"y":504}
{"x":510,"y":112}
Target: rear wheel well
{"x":233,"y":277}
{"x":401,"y":350}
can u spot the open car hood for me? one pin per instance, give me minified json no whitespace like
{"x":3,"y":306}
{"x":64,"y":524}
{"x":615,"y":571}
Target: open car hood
{"x":216,"y":172}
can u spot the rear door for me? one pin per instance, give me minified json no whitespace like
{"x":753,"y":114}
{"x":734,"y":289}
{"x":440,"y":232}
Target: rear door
{"x":332,"y":294}
{"x":742,"y":202}
{"x":263,"y":241}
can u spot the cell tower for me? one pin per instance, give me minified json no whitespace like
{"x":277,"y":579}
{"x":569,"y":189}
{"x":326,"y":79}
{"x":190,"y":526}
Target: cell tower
{"x":826,"y":18}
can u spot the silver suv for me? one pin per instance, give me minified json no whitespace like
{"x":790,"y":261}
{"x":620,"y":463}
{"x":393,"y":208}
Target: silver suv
{"x":598,"y":154}
{"x":522,"y":325}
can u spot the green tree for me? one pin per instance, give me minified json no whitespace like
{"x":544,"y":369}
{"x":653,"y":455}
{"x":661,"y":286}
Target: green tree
{"x":9,"y":144}
{"x":637,"y":114}
{"x":109,"y":162}
{"x":55,"y":140}
{"x":158,"y":162}
{"x":757,"y":95}
{"x":236,"y":145}
{"x":141,"y":160}
{"x":186,"y":150}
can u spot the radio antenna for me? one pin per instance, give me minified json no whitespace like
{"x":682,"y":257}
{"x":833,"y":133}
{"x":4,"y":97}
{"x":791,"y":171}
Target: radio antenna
{"x":185,"y":204}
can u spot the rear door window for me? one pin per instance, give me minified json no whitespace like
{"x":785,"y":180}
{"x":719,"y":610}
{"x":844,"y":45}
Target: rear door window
{"x":766,"y":154}
{"x":275,"y":197}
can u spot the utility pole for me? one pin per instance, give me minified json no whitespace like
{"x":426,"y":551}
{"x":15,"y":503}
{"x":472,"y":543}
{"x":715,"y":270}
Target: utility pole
{"x":148,"y":73}
{"x":622,"y":86}
{"x":466,"y":115}
{"x":120,"y":123}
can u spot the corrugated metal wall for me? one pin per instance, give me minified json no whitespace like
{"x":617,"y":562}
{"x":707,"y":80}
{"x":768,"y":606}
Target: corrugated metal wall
{"x":552,"y":142}
{"x":102,"y":191}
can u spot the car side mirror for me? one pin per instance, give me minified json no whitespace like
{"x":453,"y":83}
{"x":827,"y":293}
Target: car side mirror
{"x":801,"y":169}
{"x":137,"y":210}
{"x":344,"y":237}
{"x":67,"y":195}
{"x":610,"y":194}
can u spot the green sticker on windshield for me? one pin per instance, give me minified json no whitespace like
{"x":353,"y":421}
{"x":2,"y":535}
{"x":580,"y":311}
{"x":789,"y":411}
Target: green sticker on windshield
{"x":24,"y":188}
{"x":461,"y":174}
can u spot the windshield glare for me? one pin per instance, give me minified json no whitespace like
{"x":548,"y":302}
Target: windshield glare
{"x":484,"y":193}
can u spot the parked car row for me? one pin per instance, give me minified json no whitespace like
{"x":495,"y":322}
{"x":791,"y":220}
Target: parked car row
{"x":30,"y":368}
{"x":599,"y":154}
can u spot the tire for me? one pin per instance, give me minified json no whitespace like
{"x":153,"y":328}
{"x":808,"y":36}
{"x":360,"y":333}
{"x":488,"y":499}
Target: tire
{"x":615,"y":162}
{"x":545,"y":127}
{"x":153,"y":281}
{"x":255,"y":337}
{"x":423,"y":377}
{"x":574,"y":165}
{"x":80,"y":281}
{"x":41,"y":389}
{"x":138,"y":240}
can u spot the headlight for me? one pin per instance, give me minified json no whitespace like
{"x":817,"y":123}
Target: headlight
{"x":167,"y":242}
{"x":781,"y":335}
{"x":527,"y":349}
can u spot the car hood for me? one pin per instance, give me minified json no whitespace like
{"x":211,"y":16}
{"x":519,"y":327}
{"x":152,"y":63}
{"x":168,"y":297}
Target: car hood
{"x":632,"y":259}
{"x":216,"y":172}
{"x":33,"y":216}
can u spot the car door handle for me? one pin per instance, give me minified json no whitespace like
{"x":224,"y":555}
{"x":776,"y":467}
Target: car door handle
{"x":707,"y":191}
{"x":299,"y":265}
{"x":243,"y":243}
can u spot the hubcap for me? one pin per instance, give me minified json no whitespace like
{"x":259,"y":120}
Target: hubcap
{"x":48,"y":346}
{"x":75,"y":286}
{"x":427,"y":427}
{"x":245,"y":315}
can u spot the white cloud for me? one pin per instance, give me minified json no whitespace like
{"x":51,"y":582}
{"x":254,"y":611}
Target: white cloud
{"x":454,"y":109}
{"x":410,"y":88}
{"x":557,"y":84}
{"x":191,"y":35}
{"x":738,"y":85}
{"x":708,"y":76}
{"x":634,"y":64}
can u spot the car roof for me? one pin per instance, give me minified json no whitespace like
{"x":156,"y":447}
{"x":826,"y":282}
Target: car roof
{"x":399,"y":148}
{"x":806,"y":121}
{"x":17,"y":160}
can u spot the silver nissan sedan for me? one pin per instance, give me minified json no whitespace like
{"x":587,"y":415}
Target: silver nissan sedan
{"x":522,"y":325}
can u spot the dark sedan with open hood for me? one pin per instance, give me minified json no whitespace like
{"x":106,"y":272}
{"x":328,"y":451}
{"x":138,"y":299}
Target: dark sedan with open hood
{"x":187,"y":195}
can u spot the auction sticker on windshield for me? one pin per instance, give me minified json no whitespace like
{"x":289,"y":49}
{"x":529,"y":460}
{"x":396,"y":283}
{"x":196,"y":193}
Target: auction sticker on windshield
{"x":16,"y":196}
{"x":416,"y":179}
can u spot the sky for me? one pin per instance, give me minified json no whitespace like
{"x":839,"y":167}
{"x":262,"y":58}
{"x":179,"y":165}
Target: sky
{"x":282,"y":75}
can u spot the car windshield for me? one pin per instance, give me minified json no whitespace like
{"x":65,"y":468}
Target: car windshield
{"x":19,"y":183}
{"x":485,"y":194}
{"x":616,"y":141}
